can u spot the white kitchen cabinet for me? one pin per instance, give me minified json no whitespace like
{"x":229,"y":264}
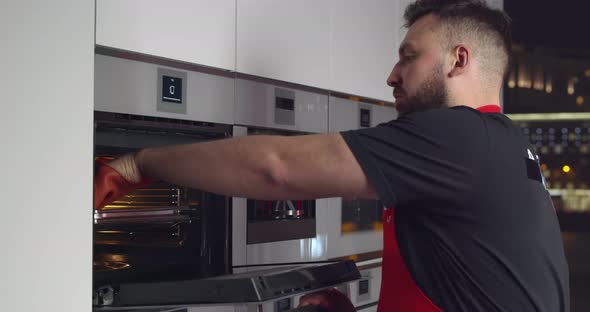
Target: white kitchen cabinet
{"x":46,"y":130}
{"x":195,"y":31}
{"x":285,"y":40}
{"x":364,"y":44}
{"x":342,"y":45}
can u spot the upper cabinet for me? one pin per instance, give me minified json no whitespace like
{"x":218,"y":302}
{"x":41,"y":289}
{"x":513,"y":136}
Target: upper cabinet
{"x":285,"y":40}
{"x":195,"y":31}
{"x":347,"y":46}
{"x":364,"y":44}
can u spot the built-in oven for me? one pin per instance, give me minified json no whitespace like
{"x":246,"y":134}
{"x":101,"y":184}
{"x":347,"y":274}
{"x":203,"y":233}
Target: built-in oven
{"x":358,"y":231}
{"x":279,"y":220}
{"x":286,"y":231}
{"x":166,"y":247}
{"x":161,"y":232}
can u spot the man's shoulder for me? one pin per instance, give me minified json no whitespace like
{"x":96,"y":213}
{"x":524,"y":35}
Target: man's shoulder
{"x":454,"y":111}
{"x":457,"y":116}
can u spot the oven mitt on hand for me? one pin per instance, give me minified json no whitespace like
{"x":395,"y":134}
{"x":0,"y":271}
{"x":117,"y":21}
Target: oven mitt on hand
{"x":110,"y":185}
{"x":329,"y":300}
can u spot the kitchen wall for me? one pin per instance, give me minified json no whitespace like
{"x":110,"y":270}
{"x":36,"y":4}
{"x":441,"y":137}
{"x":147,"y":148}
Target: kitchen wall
{"x":46,"y":171}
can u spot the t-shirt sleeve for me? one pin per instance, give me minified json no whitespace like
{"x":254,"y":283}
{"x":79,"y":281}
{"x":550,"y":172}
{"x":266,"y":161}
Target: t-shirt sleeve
{"x":418,"y":157}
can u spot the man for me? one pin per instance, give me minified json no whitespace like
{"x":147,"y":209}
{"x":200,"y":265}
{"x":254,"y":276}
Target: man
{"x":469,"y":225}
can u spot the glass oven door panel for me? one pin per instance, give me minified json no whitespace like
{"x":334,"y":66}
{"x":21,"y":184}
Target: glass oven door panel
{"x":125,"y":132}
{"x":188,"y":239}
{"x":348,"y":243}
{"x":283,"y":251}
{"x":160,"y":231}
{"x":361,"y":215}
{"x":265,"y":232}
{"x":273,"y":221}
{"x":266,"y":210}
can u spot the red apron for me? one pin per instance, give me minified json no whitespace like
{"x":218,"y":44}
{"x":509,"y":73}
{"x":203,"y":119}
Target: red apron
{"x":399,"y":292}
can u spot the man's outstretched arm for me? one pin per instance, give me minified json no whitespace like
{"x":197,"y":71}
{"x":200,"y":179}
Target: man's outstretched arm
{"x":262,"y":167}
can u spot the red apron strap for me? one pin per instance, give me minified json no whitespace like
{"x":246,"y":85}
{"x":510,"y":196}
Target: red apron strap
{"x":399,"y":292}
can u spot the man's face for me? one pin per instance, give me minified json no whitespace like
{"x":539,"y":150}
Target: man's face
{"x":418,"y":78}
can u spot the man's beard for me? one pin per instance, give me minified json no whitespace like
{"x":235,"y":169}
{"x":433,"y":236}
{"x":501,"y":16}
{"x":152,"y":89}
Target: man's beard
{"x":431,"y":94}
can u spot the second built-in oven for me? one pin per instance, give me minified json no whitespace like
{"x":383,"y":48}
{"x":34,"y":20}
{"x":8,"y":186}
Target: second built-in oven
{"x":357,"y":228}
{"x":284,"y":231}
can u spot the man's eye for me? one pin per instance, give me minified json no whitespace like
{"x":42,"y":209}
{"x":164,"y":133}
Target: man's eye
{"x":405,"y":59}
{"x":409,"y":57}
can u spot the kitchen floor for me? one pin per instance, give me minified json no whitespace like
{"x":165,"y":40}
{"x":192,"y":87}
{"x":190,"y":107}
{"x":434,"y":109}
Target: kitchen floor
{"x":577,"y":249}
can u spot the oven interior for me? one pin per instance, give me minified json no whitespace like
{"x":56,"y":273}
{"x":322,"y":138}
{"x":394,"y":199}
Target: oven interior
{"x":162,"y":231}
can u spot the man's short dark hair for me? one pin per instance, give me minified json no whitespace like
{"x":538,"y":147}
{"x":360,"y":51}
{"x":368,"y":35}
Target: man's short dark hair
{"x":472,"y":22}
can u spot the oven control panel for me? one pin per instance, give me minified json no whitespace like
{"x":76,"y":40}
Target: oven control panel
{"x":280,"y":106}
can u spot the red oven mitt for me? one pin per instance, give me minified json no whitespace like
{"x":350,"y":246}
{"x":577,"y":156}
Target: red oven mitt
{"x":110,"y":185}
{"x":329,"y":300}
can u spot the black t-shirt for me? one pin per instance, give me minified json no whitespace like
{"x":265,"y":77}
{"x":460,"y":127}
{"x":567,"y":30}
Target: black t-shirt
{"x":475,"y":223}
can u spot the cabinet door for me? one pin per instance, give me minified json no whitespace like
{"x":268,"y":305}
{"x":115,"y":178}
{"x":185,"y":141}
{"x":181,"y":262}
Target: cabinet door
{"x":285,"y":40}
{"x":365,"y":39}
{"x":194,"y":31}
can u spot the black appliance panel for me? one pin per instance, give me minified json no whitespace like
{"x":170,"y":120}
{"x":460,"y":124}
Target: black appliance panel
{"x":161,"y":232}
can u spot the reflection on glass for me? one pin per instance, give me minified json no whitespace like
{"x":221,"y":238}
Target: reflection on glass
{"x":265,"y":210}
{"x":361,"y":215}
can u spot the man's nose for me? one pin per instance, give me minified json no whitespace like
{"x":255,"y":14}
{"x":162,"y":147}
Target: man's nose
{"x":394,"y":78}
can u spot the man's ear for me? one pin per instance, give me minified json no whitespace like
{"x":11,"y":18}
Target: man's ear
{"x":460,"y":59}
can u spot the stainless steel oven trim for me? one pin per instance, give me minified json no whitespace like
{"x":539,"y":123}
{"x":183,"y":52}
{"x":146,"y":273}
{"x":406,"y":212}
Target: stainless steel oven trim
{"x":239,"y":217}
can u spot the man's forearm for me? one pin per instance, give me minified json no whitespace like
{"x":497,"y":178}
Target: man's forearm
{"x":262,"y":167}
{"x":247,"y":166}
